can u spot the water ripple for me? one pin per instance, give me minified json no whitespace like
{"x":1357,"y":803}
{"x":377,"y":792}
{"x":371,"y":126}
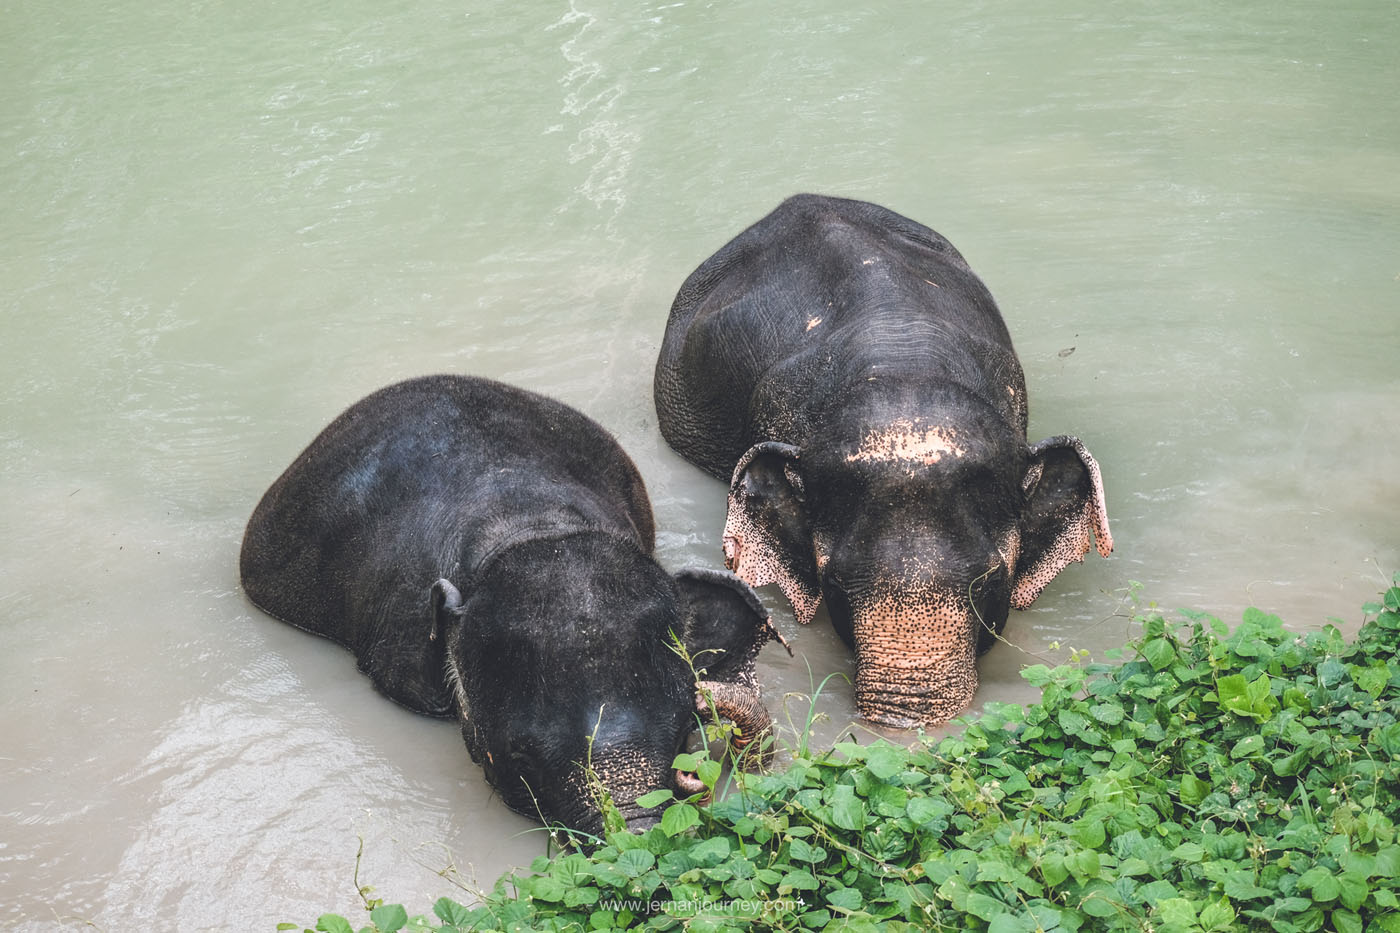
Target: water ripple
{"x":606,"y":144}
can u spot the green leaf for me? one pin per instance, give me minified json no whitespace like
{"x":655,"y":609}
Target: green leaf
{"x":1110,"y":714}
{"x":710,"y":852}
{"x":804,"y":852}
{"x":847,"y":810}
{"x":1345,"y":921}
{"x":390,"y":918}
{"x":546,"y":888}
{"x":679,"y":817}
{"x":635,"y":862}
{"x":846,"y":899}
{"x":987,"y":908}
{"x":1193,"y":790}
{"x":1321,"y":882}
{"x":1155,"y":892}
{"x":1098,"y":905}
{"x":1158,"y":652}
{"x":1189,"y":852}
{"x":1037,"y":675}
{"x":1248,"y":747}
{"x":449,"y":911}
{"x":1290,"y":765}
{"x":1043,"y":917}
{"x":1358,"y":864}
{"x":1089,"y":833}
{"x":1352,"y":890}
{"x":1011,"y":923}
{"x":891,"y":800}
{"x":1053,"y":869}
{"x":655,"y":799}
{"x":1331,"y":672}
{"x":572,"y":869}
{"x":333,"y":923}
{"x":1072,"y":723}
{"x":885,"y":761}
{"x":923,"y":810}
{"x":1217,"y":915}
{"x":1373,"y":679}
{"x":708,"y":771}
{"x":1084,"y":865}
{"x":1387,"y":862}
{"x":798,"y":880}
{"x":1177,"y":911}
{"x":1252,"y":699}
{"x":1240,"y":886}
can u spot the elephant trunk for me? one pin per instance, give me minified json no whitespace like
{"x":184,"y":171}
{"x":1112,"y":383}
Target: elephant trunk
{"x":934,"y":699}
{"x":742,"y":706}
{"x":907,"y":676}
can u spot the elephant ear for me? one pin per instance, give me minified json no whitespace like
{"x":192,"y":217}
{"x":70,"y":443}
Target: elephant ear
{"x":1064,"y":506}
{"x":405,"y":661}
{"x":448,"y":611}
{"x":445,"y":607}
{"x":725,"y":626}
{"x":767,"y":535}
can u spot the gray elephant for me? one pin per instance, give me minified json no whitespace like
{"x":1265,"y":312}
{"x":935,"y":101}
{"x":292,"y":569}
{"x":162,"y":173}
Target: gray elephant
{"x":486,"y":553}
{"x":848,"y":374}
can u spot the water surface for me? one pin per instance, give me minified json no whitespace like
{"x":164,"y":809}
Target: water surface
{"x":224,"y":223}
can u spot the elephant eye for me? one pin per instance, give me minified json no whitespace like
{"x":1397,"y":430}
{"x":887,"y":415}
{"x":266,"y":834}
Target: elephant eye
{"x":795,"y":481}
{"x":523,"y":756}
{"x":988,"y":585}
{"x":990,"y":598}
{"x":834,"y":588}
{"x":520,"y":764}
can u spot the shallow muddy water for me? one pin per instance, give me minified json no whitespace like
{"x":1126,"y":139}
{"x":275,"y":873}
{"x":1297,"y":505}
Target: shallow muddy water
{"x":225,"y":223}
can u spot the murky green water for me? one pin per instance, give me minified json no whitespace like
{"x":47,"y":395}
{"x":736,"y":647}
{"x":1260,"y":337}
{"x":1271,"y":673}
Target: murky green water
{"x":225,"y":222}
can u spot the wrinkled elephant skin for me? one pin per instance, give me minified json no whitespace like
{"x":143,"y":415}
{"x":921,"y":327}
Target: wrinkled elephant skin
{"x":852,"y":379}
{"x":486,"y":554}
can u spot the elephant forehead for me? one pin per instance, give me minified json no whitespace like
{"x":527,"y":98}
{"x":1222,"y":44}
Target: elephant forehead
{"x":908,"y":441}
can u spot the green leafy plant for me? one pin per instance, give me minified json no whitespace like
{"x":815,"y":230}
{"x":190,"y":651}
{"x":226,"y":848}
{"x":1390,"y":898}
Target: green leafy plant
{"x":1216,"y":780}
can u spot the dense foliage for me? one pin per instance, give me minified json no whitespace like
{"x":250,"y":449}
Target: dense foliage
{"x":1219,"y":780}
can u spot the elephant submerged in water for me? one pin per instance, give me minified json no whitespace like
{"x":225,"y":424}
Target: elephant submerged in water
{"x":847,"y":373}
{"x":486,"y":553}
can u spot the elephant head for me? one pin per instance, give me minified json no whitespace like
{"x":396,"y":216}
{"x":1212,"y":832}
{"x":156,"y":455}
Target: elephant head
{"x":919,"y":535}
{"x":604,"y":702}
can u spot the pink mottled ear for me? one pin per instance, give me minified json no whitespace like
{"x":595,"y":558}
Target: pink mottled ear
{"x":1065,"y":512}
{"x":767,"y":537}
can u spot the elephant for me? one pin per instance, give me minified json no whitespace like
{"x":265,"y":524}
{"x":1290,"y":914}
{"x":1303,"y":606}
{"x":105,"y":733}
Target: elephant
{"x":851,"y":378}
{"x":487,"y":555}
